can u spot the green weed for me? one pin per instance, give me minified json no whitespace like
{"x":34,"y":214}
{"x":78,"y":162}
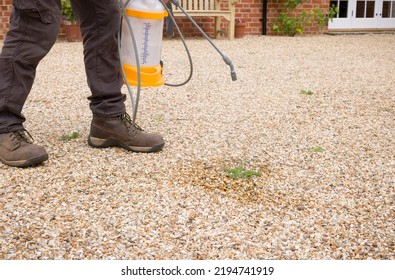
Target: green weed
{"x":73,"y":135}
{"x":306,"y":92}
{"x":317,"y":149}
{"x":159,"y":118}
{"x":240,"y":172}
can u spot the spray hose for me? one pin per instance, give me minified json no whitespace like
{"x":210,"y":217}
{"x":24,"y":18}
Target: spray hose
{"x":123,"y":4}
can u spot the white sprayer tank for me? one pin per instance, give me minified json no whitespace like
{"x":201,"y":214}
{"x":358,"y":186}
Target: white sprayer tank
{"x":146,"y":19}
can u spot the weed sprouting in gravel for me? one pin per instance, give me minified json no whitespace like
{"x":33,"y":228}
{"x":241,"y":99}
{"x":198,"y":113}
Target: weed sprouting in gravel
{"x":240,"y":172}
{"x":317,"y":149}
{"x":73,"y":135}
{"x":306,"y":92}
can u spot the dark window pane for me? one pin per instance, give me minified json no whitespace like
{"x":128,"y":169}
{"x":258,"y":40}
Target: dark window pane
{"x":393,"y":9}
{"x":370,"y":9}
{"x":386,"y":12}
{"x":343,"y":8}
{"x":360,"y":9}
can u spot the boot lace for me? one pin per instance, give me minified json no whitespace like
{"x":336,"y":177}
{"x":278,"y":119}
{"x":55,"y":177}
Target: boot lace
{"x":133,"y":128}
{"x":20,"y":136}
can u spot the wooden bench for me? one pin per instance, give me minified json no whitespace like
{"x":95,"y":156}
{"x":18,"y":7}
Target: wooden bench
{"x":210,"y":8}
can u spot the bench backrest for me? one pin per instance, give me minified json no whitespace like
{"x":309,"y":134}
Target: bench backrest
{"x":199,"y":5}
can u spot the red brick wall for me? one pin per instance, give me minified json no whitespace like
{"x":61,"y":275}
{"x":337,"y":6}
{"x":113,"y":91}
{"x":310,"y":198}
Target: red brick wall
{"x":5,"y":11}
{"x":249,"y":11}
{"x":275,"y":7}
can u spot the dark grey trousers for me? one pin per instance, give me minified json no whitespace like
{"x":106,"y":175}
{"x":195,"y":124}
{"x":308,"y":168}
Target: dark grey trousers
{"x":34,"y":27}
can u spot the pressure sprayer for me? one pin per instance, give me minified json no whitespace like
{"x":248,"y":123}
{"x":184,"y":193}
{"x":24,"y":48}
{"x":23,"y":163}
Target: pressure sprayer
{"x":140,"y":45}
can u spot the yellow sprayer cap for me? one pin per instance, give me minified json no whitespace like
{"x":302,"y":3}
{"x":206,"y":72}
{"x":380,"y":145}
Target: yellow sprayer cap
{"x":147,"y":15}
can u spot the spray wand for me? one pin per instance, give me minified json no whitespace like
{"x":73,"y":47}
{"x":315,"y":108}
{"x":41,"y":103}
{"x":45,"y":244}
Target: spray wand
{"x":224,"y":57}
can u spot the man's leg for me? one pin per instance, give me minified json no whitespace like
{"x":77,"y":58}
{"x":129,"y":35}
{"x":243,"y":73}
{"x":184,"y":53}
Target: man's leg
{"x":111,"y":126}
{"x":100,"y":22}
{"x":33,"y":31}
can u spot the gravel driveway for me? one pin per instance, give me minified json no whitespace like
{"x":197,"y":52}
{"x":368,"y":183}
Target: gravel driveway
{"x":310,"y":123}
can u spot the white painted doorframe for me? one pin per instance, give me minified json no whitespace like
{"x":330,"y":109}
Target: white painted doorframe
{"x":365,"y":14}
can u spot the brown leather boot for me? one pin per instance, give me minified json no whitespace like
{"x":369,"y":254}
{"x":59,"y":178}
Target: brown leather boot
{"x":122,"y":132}
{"x":17,"y":149}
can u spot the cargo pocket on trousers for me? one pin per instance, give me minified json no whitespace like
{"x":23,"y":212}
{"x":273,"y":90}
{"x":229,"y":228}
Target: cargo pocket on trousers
{"x":45,"y":17}
{"x":30,"y":8}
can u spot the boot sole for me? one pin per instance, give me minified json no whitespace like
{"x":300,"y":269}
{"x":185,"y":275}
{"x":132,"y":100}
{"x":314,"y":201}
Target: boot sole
{"x":25,"y":163}
{"x":106,"y":143}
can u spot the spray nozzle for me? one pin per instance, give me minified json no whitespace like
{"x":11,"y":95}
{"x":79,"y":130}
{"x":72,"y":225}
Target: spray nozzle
{"x":232,"y":69}
{"x":233,"y":75}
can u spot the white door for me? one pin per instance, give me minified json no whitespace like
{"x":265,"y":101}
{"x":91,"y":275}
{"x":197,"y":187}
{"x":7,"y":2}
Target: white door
{"x":387,"y":15}
{"x":363,"y":14}
{"x":343,"y":19}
